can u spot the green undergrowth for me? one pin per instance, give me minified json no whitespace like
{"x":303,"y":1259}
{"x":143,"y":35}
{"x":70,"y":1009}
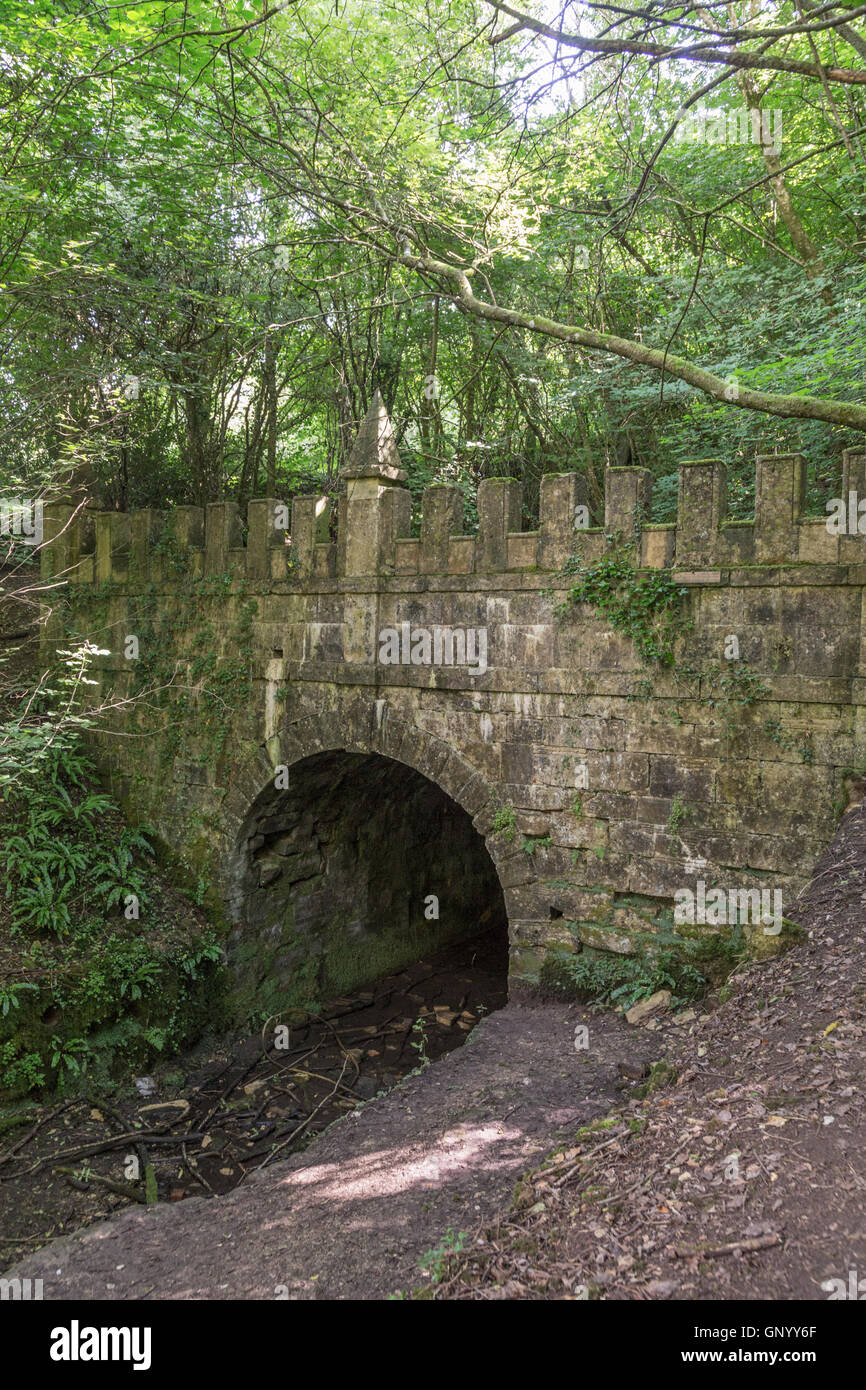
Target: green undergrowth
{"x":688,"y":967}
{"x":104,"y":965}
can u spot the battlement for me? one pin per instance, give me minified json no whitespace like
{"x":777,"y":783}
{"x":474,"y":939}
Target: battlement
{"x":598,"y":753}
{"x":374,"y":524}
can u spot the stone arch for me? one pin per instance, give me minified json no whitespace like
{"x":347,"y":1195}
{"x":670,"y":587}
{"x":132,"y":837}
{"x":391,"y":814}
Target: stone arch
{"x":372,"y":732}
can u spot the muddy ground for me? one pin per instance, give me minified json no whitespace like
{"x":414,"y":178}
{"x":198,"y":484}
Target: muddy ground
{"x":354,"y":1215}
{"x":212,"y":1117}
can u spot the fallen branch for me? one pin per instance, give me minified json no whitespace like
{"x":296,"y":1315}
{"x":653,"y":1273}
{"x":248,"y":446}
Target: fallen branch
{"x":52,"y":1115}
{"x":732,"y":1248}
{"x":124,"y":1189}
{"x":792,"y":407}
{"x":155,"y":1136}
{"x":196,"y":1172}
{"x":303,"y":1125}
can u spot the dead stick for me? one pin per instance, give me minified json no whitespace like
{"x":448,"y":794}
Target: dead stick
{"x":123,"y":1188}
{"x":52,"y":1115}
{"x":301,"y":1127}
{"x":754,"y":1243}
{"x":319,"y":1077}
{"x":86,"y":1150}
{"x":195,"y":1170}
{"x":345,"y":1051}
{"x":242,"y":1076}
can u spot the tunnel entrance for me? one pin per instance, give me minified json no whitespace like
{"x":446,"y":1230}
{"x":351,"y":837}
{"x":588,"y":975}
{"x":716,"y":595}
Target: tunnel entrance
{"x":360,"y":867}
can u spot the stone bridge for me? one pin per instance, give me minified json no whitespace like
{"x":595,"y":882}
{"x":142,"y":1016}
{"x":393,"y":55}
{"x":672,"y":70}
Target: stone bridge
{"x":363,"y":745}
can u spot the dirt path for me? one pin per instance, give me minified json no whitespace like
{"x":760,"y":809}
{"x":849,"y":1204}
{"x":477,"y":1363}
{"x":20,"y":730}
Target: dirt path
{"x":745,"y":1177}
{"x":352,"y":1215}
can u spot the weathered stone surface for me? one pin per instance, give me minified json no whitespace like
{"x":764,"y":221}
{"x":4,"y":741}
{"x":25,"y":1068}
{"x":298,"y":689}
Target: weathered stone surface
{"x":627,"y":494}
{"x":374,"y":453}
{"x":657,"y":1003}
{"x":702,"y":498}
{"x":603,"y":940}
{"x":600,"y":786}
{"x":498,"y":513}
{"x":780,"y":492}
{"x":560,"y":496}
{"x":442,"y":519}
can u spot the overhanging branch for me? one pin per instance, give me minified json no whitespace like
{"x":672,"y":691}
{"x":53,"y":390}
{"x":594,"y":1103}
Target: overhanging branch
{"x":845,"y":413}
{"x":659,"y":52}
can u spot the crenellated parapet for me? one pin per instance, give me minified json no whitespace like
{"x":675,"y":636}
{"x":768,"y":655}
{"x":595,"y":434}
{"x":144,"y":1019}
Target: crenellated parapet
{"x":374,"y":520}
{"x":238,"y":647}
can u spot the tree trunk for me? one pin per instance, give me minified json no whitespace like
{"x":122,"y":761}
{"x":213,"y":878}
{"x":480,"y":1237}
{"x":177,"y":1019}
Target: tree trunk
{"x":271,"y":392}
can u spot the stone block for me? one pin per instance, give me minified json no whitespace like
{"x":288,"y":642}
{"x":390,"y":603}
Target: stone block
{"x":441,"y":518}
{"x":498,"y":514}
{"x":701,"y":507}
{"x":780,"y":491}
{"x":560,"y":496}
{"x":627,"y":496}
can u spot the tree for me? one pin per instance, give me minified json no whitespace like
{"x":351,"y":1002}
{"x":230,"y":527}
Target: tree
{"x":225,"y":227}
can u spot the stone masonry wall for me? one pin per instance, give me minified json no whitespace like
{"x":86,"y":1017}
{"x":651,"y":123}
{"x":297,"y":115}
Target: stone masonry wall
{"x":258,"y":653}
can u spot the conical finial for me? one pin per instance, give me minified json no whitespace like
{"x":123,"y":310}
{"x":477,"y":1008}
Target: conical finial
{"x":374,"y":453}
